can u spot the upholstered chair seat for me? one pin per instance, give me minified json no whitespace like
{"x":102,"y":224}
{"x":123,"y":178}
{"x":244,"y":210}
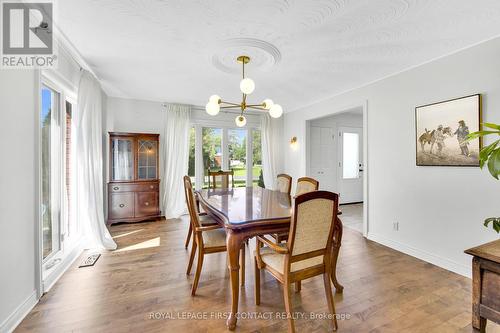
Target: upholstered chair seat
{"x":214,"y":238}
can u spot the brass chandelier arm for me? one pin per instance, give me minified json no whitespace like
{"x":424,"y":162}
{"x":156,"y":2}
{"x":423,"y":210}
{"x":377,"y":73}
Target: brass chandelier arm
{"x":230,"y":107}
{"x":256,"y":107}
{"x":229,"y":103}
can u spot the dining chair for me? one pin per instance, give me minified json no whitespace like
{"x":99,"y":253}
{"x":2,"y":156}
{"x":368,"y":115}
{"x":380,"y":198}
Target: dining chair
{"x":307,"y":253}
{"x":284,"y":183}
{"x":208,"y":238}
{"x":204,"y":220}
{"x":224,"y":178}
{"x":304,"y":185}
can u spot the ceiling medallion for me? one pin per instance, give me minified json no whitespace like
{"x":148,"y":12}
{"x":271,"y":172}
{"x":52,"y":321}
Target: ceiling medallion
{"x":247,"y":86}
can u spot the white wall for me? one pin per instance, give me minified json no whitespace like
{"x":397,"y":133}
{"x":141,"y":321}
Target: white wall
{"x":18,"y":241}
{"x":439,"y":209}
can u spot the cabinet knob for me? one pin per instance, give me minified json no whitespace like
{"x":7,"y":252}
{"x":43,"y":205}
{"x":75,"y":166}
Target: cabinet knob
{"x":116,"y":188}
{"x":151,"y":186}
{"x":122,"y":205}
{"x":146,"y":203}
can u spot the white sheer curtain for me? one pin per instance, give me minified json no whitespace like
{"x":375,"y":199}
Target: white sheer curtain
{"x":122,"y":160}
{"x":271,"y":143}
{"x":90,"y":164}
{"x":176,"y":156}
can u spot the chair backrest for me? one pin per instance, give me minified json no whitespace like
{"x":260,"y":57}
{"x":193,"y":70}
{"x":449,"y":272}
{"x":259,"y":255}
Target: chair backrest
{"x":224,"y":178}
{"x":306,"y":185}
{"x":191,"y":202}
{"x":312,"y":225}
{"x":284,"y":183}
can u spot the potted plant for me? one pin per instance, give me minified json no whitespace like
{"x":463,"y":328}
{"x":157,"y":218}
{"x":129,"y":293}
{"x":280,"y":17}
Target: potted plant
{"x":490,"y":156}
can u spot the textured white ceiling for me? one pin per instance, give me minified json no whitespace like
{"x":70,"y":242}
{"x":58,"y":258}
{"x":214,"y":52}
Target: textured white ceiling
{"x":302,"y":50}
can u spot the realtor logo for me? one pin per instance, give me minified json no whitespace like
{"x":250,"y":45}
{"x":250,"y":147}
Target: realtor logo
{"x":27,"y":35}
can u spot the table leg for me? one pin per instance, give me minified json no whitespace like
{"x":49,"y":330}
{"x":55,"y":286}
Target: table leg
{"x":337,"y":239}
{"x":233,"y":242}
{"x":478,"y":323}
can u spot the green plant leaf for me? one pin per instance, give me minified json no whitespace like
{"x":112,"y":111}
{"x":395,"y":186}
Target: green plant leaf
{"x":491,"y":125}
{"x":494,"y":163}
{"x":495,"y":221}
{"x":475,"y":135}
{"x":486,"y":152}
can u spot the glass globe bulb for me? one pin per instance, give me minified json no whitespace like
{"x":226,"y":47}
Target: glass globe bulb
{"x":240,"y":121}
{"x":247,"y":86}
{"x":214,"y":99}
{"x":276,"y":111}
{"x":268,"y":103}
{"x":212,"y":108}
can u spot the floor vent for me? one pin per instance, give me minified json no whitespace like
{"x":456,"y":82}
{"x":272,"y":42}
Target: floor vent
{"x":90,"y":260}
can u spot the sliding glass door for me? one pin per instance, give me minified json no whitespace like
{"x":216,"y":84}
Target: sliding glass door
{"x":58,"y":220}
{"x":50,"y":157}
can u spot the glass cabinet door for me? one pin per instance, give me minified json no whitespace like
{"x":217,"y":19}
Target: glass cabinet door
{"x":147,"y":151}
{"x":122,"y":158}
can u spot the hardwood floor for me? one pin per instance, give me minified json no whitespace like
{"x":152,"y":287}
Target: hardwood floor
{"x":385,"y":291}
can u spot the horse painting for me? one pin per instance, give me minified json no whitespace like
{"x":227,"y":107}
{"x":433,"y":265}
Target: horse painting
{"x":429,"y":137}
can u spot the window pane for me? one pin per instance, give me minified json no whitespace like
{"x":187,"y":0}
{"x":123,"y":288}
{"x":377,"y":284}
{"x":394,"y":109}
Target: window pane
{"x":257,"y":159}
{"x":68,"y":172}
{"x":191,"y":166}
{"x":147,"y":159}
{"x":212,"y":151}
{"x":123,"y":159}
{"x":50,"y":155}
{"x":350,"y":152}
{"x":238,"y":155}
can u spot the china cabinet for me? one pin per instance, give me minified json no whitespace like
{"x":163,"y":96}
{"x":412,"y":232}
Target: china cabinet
{"x":134,"y":186}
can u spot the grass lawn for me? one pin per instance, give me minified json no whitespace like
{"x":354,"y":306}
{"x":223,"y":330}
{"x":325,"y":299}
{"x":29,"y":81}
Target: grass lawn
{"x":241,"y":172}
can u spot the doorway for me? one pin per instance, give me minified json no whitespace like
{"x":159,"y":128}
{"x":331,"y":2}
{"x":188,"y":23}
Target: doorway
{"x":336,"y":152}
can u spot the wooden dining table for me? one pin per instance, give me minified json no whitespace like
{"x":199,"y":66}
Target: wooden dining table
{"x":246,"y":212}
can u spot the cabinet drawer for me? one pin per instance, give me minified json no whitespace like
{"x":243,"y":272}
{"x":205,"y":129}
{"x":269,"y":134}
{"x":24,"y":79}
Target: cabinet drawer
{"x":121,"y":205}
{"x":146,"y":187}
{"x":146,"y":204}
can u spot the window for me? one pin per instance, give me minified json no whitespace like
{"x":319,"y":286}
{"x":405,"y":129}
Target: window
{"x":69,"y":198}
{"x":223,"y":148}
{"x":350,"y":155}
{"x":49,"y":181}
{"x":257,"y":178}
{"x":237,"y":139}
{"x":192,"y":159}
{"x":211,"y":150}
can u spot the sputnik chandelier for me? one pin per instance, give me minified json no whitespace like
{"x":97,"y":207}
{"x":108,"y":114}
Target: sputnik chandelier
{"x":247,"y":86}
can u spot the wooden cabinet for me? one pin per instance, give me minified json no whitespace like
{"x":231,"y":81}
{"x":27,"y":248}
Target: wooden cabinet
{"x":134,"y":187}
{"x":485,"y":284}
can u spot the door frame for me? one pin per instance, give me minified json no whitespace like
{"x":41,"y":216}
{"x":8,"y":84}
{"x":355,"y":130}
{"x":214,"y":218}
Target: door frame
{"x":334,"y":111}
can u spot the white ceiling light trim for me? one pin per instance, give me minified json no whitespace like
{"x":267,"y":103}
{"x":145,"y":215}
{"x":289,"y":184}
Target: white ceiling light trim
{"x":264,"y":55}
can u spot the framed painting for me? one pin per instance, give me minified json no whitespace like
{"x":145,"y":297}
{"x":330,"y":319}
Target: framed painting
{"x":441,"y":129}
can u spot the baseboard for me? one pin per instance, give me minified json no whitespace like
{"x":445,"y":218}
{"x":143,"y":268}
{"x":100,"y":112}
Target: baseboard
{"x":62,"y":267}
{"x":447,"y":264}
{"x":19,"y":313}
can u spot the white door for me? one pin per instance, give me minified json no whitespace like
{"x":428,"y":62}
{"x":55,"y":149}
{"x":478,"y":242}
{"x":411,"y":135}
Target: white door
{"x":323,"y":150}
{"x":350,"y":164}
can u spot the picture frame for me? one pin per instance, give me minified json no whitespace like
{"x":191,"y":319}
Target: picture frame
{"x":441,"y":129}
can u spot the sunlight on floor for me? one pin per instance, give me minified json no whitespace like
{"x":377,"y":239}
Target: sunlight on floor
{"x":154,"y":242}
{"x":127,"y":233}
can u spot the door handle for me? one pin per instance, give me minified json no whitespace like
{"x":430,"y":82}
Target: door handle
{"x":122,"y":205}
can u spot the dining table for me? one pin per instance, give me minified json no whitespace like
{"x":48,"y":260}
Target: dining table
{"x":246,"y":212}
